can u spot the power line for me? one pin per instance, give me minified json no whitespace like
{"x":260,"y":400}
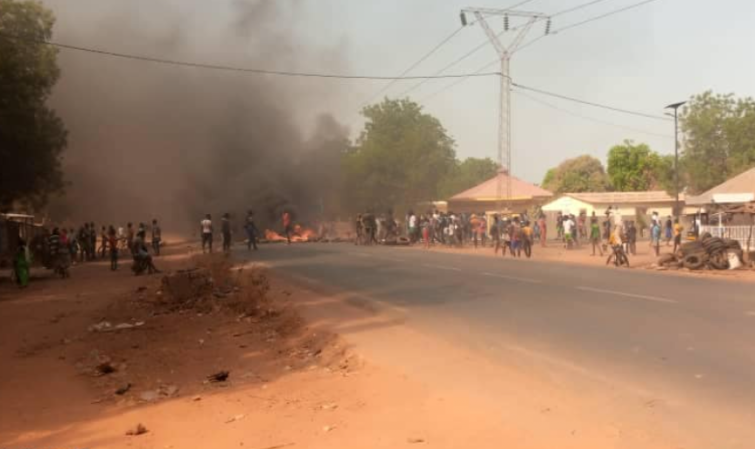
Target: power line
{"x":602,"y":16}
{"x":586,"y":21}
{"x":416,"y":64}
{"x":552,"y":106}
{"x":485,"y":43}
{"x":589,"y":103}
{"x":238,"y":69}
{"x":459,"y":81}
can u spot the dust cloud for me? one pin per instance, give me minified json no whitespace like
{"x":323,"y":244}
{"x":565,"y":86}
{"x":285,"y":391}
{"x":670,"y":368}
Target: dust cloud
{"x":161,"y":141}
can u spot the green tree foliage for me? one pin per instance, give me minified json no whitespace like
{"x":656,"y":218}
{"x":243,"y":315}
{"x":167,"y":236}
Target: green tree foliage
{"x":467,"y":174}
{"x":719,"y":142}
{"x":636,"y":168}
{"x":581,"y":174}
{"x":400,"y":159}
{"x":32,"y":136}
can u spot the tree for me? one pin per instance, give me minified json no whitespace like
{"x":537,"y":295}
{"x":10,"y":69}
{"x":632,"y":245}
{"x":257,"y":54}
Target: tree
{"x":400,"y":158}
{"x":467,"y":174}
{"x":635,"y":168}
{"x":581,"y":174}
{"x":32,"y":136}
{"x":719,"y":133}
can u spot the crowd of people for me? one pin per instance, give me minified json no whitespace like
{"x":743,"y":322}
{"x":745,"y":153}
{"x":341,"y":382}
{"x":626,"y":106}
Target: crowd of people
{"x":514,"y":236}
{"x":64,"y":247}
{"x":207,"y":231}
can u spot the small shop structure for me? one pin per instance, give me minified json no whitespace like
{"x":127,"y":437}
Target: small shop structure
{"x":728,"y":210}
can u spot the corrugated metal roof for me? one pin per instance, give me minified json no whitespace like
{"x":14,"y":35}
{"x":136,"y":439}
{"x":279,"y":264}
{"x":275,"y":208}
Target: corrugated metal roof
{"x":655,"y":196}
{"x":742,"y":183}
{"x":488,"y":190}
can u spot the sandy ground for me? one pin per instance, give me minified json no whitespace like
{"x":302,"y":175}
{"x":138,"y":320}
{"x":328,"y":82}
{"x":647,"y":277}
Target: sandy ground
{"x":293,"y":381}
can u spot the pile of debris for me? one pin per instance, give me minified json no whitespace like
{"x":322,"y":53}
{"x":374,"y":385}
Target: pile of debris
{"x":709,"y":252}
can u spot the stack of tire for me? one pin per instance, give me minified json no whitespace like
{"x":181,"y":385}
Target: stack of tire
{"x":708,"y":252}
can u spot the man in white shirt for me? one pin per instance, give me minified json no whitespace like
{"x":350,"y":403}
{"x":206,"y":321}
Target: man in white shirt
{"x":206,"y":225}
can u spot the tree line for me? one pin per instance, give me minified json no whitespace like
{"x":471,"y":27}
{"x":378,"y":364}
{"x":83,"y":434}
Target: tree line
{"x":717,"y":143}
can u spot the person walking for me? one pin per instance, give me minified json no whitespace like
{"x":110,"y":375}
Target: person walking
{"x":157,"y":237}
{"x":226,"y":230}
{"x":595,"y":236}
{"x":495,"y":234}
{"x":426,"y":225}
{"x":206,"y":230}
{"x":113,"y":246}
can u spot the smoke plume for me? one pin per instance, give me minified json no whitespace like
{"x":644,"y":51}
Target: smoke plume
{"x":160,"y":141}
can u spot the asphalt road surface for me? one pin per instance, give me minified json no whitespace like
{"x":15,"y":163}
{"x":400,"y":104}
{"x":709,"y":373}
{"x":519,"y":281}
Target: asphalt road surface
{"x":686,"y":339}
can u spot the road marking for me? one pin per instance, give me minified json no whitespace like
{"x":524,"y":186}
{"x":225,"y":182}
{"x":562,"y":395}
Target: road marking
{"x":441,"y":267}
{"x":513,"y":278}
{"x":628,"y":295}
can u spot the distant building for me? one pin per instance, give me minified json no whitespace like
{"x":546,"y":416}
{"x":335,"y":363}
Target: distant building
{"x":737,"y":190}
{"x":487,"y":197}
{"x":629,"y":204}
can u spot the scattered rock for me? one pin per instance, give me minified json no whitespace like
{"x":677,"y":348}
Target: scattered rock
{"x":329,"y":406}
{"x":138,"y":430}
{"x":221,"y":376}
{"x":106,"y":326}
{"x":327,"y":429}
{"x":149,"y":396}
{"x":105,"y":368}
{"x":196,"y":398}
{"x":123,"y":390}
{"x":141,"y":289}
{"x":235,"y":418}
{"x":415,"y":440}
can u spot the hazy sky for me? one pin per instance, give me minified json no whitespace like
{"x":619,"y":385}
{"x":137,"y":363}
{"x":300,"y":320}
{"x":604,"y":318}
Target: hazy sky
{"x":642,"y":59}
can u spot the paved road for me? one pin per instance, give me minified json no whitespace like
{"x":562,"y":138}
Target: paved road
{"x":695,"y":336}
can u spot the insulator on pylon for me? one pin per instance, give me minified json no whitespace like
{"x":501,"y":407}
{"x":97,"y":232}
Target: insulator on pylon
{"x":506,"y":22}
{"x":548,"y":27}
{"x":463,"y":18}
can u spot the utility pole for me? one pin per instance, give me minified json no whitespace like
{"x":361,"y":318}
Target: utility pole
{"x":676,"y":107}
{"x":504,"y":53}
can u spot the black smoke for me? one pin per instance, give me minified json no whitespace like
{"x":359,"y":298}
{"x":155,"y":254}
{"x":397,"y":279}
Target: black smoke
{"x":150,"y":140}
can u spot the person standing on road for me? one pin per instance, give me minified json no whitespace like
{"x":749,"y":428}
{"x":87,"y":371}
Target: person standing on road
{"x":113,"y":246}
{"x":595,"y":236}
{"x":495,"y":234}
{"x":543,"y":230}
{"x":669,"y":230}
{"x":251,"y":231}
{"x":103,"y":242}
{"x":678,"y":229}
{"x":21,"y":264}
{"x":226,"y":230}
{"x":130,"y":238}
{"x":287,"y":226}
{"x":157,"y":237}
{"x":568,"y":228}
{"x":206,"y":229}
{"x":655,"y":237}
